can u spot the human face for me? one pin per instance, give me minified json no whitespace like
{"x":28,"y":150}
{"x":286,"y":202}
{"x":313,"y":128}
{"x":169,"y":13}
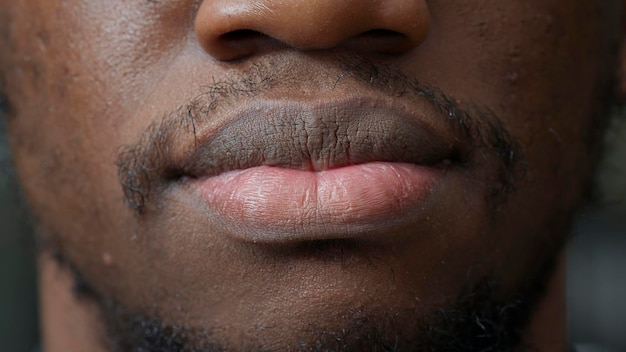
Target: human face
{"x":282,"y":175}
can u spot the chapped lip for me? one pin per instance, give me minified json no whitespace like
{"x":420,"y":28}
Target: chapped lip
{"x":288,"y":171}
{"x":317,"y":123}
{"x":316,"y":136}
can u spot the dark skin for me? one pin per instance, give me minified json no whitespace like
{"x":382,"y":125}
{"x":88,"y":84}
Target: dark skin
{"x":95,"y":87}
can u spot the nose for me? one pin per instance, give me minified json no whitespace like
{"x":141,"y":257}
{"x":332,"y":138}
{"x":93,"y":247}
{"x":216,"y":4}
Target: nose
{"x":234,"y":29}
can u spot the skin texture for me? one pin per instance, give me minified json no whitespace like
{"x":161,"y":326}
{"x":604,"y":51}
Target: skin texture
{"x":87,"y":80}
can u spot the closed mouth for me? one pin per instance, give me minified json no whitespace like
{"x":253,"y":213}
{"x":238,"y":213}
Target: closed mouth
{"x":315,"y":132}
{"x":281,"y":171}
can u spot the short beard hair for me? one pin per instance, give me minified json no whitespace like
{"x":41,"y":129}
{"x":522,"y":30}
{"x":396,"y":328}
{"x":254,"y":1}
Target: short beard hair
{"x":477,"y":320}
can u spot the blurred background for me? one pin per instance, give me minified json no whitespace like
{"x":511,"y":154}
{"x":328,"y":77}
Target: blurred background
{"x":597,"y":256}
{"x":18,"y":294}
{"x":596,"y":273}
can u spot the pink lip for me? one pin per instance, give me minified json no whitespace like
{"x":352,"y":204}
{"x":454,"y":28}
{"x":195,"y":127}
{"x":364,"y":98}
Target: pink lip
{"x":273,"y":204}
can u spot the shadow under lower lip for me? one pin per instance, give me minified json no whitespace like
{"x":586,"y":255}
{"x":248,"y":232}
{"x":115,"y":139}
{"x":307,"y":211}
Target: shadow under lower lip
{"x":268,"y":204}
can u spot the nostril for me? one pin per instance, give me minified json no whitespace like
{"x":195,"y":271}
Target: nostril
{"x":380,"y":40}
{"x":240,"y":43}
{"x":381,"y":33}
{"x":242,"y":35}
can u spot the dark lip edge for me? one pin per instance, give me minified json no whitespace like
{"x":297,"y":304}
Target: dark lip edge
{"x":182,"y":171}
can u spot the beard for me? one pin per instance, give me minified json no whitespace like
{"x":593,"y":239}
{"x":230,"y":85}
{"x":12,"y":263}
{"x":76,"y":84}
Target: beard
{"x":480,"y":318}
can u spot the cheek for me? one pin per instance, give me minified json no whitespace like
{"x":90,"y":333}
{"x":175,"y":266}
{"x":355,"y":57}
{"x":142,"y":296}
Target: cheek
{"x":526,"y":63}
{"x":533,"y":72}
{"x":68,"y":103}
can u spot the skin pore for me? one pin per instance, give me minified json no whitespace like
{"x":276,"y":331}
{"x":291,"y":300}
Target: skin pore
{"x":129,"y":122}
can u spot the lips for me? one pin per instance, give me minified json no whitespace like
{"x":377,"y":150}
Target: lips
{"x":292,"y":171}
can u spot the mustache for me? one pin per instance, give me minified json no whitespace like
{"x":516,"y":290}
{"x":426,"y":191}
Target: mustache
{"x":146,"y":167}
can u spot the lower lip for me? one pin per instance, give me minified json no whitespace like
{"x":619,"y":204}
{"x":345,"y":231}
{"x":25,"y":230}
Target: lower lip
{"x":271,"y":204}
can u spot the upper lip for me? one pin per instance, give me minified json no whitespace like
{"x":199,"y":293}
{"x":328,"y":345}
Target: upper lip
{"x":316,"y":136}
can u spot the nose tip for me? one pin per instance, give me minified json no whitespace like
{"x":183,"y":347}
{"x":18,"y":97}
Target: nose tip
{"x":232,"y":29}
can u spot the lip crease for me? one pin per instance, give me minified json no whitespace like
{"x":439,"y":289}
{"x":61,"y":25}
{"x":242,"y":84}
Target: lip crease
{"x":294,"y":171}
